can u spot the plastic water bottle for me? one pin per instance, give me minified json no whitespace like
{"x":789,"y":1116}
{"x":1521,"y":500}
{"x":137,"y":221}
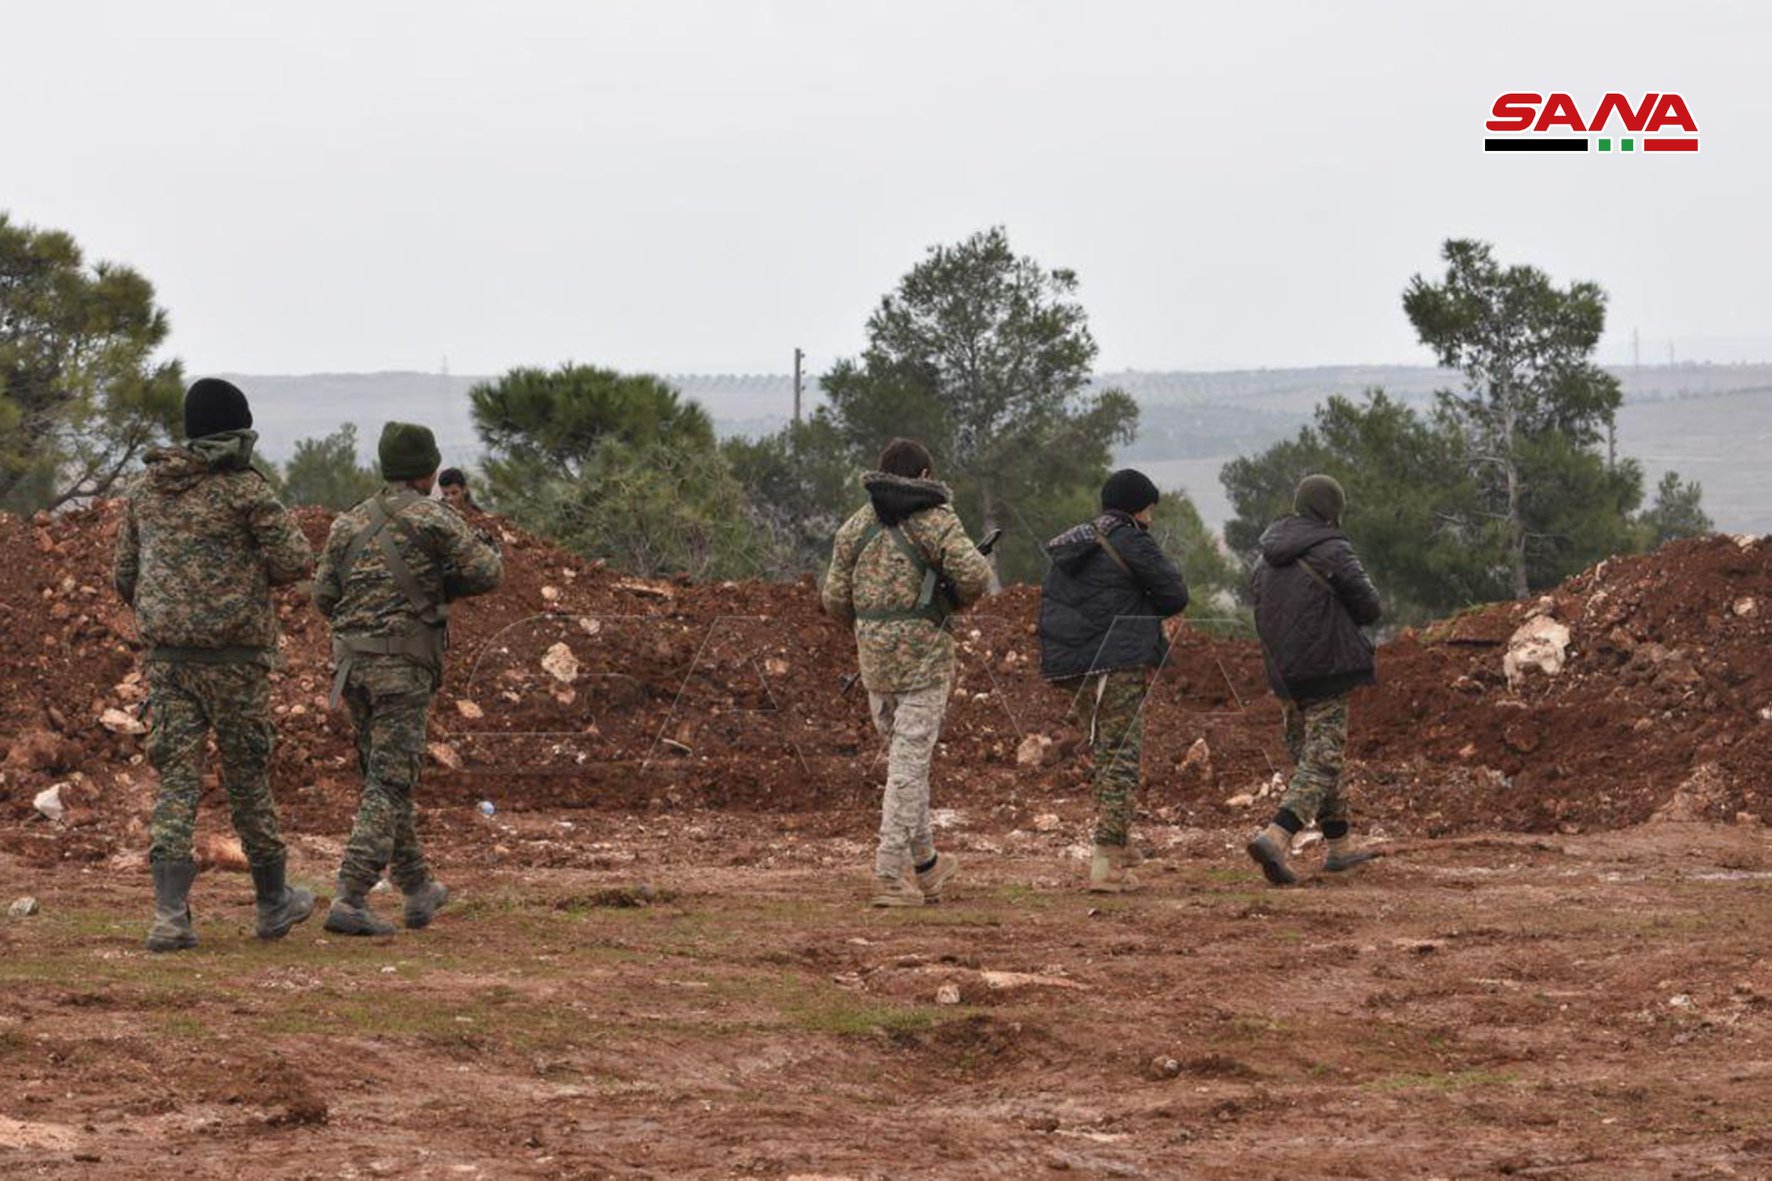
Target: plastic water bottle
{"x":487,"y":807}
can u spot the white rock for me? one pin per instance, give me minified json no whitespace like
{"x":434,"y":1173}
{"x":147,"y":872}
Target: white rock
{"x":469,"y":709}
{"x":119,"y":721}
{"x":1747,"y":607}
{"x":1541,"y":643}
{"x":1241,"y":800}
{"x":49,"y":802}
{"x":1032,"y":750}
{"x":561,"y":664}
{"x":550,"y":594}
{"x":23,"y":908}
{"x":1048,"y":822}
{"x":589,"y":626}
{"x":445,"y":754}
{"x":948,"y":994}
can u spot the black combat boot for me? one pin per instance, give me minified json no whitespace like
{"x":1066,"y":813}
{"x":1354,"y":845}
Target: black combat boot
{"x":280,"y":906}
{"x":423,"y":903}
{"x":172,"y":930}
{"x":350,"y":915}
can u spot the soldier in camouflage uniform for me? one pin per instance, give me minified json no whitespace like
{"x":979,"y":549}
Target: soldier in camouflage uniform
{"x":1312,"y":597}
{"x":898,"y":567}
{"x":203,"y":540}
{"x":1106,"y":594}
{"x":390,"y":568}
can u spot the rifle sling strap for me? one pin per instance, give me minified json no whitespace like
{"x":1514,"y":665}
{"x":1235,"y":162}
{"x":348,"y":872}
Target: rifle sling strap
{"x":929,"y":607}
{"x":1108,"y":548}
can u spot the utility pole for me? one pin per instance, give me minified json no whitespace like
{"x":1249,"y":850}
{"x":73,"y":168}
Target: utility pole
{"x":799,"y":383}
{"x":1636,"y":349}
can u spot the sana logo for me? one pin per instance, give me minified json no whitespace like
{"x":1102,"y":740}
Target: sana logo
{"x":1615,"y":123}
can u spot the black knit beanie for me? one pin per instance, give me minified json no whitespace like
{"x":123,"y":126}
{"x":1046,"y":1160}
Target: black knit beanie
{"x":1320,"y":497}
{"x":213,"y":406}
{"x":408,"y":451}
{"x":1128,"y":490}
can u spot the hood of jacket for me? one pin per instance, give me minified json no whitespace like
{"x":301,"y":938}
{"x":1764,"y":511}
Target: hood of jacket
{"x":1290,"y":538}
{"x":177,"y":468}
{"x":896,"y":497}
{"x":1076,"y":545}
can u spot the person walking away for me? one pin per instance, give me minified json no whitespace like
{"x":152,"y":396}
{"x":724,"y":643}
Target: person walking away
{"x":1107,"y":592}
{"x":1312,"y":597}
{"x":899,"y":565}
{"x":203,"y":540}
{"x":390,"y":569}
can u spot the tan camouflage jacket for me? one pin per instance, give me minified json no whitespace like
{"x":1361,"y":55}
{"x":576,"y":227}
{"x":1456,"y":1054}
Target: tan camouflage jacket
{"x":869,"y":577}
{"x":449,"y":559}
{"x":202,"y":542}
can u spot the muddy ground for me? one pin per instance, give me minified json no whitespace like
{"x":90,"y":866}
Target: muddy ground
{"x":701,"y":995}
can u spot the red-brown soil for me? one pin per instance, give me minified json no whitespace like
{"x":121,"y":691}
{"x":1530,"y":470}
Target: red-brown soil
{"x":1535,"y":983}
{"x":706,"y":997}
{"x":730,"y":695}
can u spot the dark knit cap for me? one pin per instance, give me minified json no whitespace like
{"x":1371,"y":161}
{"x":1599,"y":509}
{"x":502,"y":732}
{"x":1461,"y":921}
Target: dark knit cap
{"x":1128,"y":490}
{"x":408,"y":451}
{"x":1320,"y":497}
{"x":213,"y":406}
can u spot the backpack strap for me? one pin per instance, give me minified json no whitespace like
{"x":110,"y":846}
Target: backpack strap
{"x":423,"y":645}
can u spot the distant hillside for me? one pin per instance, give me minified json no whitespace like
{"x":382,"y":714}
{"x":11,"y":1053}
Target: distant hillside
{"x":1712,"y":423}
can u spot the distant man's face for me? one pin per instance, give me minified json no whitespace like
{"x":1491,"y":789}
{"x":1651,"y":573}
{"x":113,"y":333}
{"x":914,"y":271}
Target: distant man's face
{"x":455,"y":494}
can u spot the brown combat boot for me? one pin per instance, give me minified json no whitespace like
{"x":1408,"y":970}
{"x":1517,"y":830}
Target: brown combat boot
{"x":1108,"y":873}
{"x":1270,"y":847}
{"x":899,"y":890}
{"x":931,"y":880}
{"x":1343,"y":856}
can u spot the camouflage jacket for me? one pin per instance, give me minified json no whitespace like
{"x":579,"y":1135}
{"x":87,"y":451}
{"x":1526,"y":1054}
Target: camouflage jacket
{"x":202,"y":542}
{"x":449,"y":560}
{"x":872,"y":576}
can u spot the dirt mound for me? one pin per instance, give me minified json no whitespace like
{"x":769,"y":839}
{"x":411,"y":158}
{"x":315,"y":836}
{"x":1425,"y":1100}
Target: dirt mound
{"x":578,"y":686}
{"x":1664,"y":685}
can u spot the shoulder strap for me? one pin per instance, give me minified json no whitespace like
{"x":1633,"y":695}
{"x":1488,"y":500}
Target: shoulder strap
{"x":378,"y":520}
{"x":1108,"y":548}
{"x":381,"y":517}
{"x":1318,"y":575}
{"x":929,"y":605}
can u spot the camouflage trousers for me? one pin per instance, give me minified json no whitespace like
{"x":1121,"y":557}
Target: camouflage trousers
{"x":389,"y":701}
{"x":1115,"y":701}
{"x":910,"y":722}
{"x":1316,"y":737}
{"x":186,"y":702}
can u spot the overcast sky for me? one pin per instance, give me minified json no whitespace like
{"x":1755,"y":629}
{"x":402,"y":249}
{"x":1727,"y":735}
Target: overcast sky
{"x":699,"y":187}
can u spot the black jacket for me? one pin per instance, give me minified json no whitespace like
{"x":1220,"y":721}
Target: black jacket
{"x":1095,"y":617}
{"x":1312,"y":597}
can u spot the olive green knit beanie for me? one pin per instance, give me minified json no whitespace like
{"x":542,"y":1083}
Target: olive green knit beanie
{"x":1320,"y":497}
{"x":408,"y":451}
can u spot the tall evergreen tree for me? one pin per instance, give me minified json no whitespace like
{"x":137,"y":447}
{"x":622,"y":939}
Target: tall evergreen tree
{"x":985,"y":355}
{"x":1534,"y":408}
{"x":81,"y":394}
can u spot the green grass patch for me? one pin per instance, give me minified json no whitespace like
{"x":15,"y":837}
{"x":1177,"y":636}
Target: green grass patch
{"x":1459,"y":1080}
